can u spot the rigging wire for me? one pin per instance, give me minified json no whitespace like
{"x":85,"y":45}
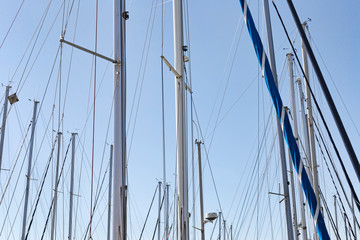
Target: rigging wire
{"x":336,"y":231}
{"x":189,"y":82}
{"x":13,"y":168}
{"x":207,"y":159}
{"x":40,"y":26}
{"x":72,"y":50}
{"x":332,"y":80}
{"x":158,"y":222}
{"x":321,"y":114}
{"x":31,"y":39}
{"x":97,"y":196}
{"x":57,"y":183}
{"x":41,"y":188}
{"x":336,"y":173}
{"x":226,"y":85}
{"x":226,"y":63}
{"x":166,"y":214}
{"x":147,"y":42}
{"x":37,"y":156}
{"x":12,"y":23}
{"x":28,"y":130}
{"x":147,"y":215}
{"x":142,"y":59}
{"x":267,"y":125}
{"x":93,"y":125}
{"x":248,"y":199}
{"x":13,"y":194}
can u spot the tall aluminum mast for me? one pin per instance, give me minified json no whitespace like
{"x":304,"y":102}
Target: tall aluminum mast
{"x":310,"y":124}
{"x":181,"y":141}
{"x":4,"y":123}
{"x":29,"y":164}
{"x":119,"y":176}
{"x":279,"y":130}
{"x":293,"y":111}
{"x":71,"y":185}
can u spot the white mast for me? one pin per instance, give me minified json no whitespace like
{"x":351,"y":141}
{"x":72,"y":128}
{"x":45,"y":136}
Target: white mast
{"x":310,"y":124}
{"x":119,"y":179}
{"x":53,"y":222}
{"x":71,"y":184}
{"x":290,"y":233}
{"x":159,"y":212}
{"x":202,"y":228}
{"x":336,"y":218}
{"x":4,"y":123}
{"x":353,"y":212}
{"x":181,"y":141}
{"x":29,"y":163}
{"x":219,"y":226}
{"x":296,"y":135}
{"x":109,"y":193}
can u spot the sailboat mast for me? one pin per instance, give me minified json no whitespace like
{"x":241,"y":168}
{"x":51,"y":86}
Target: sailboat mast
{"x":220,"y":225}
{"x":29,"y":165}
{"x":109,"y":193}
{"x":181,"y":140}
{"x":159,"y":212}
{"x":279,"y":130}
{"x":4,"y":123}
{"x":296,"y":135}
{"x":294,"y":112}
{"x":119,"y":179}
{"x":71,"y":184}
{"x":202,"y":223}
{"x":354,"y":216}
{"x":310,"y":124}
{"x":53,"y":221}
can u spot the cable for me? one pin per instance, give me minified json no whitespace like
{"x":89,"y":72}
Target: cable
{"x":157,"y":222}
{"x":13,"y":169}
{"x":52,"y":202}
{"x":326,"y":92}
{"x":41,"y":188}
{"x":12,"y":23}
{"x":142,"y":81}
{"x":93,"y":127}
{"x":337,"y":90}
{"x":336,"y":173}
{"x":147,"y":216}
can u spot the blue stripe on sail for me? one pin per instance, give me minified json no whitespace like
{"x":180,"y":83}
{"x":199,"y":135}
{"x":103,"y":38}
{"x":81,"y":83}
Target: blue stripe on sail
{"x":288,"y":134}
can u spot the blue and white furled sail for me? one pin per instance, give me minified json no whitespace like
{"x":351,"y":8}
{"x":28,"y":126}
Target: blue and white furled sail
{"x":285,"y":123}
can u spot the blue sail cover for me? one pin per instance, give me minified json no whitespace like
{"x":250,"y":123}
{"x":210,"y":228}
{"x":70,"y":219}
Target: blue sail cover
{"x":283,"y":117}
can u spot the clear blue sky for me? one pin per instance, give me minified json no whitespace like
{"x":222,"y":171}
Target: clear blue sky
{"x":222,"y":60}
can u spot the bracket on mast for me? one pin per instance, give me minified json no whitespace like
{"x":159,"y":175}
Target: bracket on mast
{"x":172,"y":69}
{"x":62,"y":40}
{"x":279,"y":194}
{"x":177,"y":75}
